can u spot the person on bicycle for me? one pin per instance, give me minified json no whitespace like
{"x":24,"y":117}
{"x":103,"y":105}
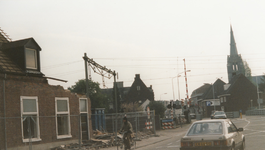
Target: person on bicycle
{"x":127,"y":129}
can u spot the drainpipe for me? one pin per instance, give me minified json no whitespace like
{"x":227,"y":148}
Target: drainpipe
{"x":4,"y":81}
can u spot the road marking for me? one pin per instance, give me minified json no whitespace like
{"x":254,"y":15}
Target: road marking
{"x":169,"y":143}
{"x":173,"y":146}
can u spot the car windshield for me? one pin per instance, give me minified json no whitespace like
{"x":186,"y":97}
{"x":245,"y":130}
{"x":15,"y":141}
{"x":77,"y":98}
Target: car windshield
{"x":206,"y":128}
{"x":219,"y":113}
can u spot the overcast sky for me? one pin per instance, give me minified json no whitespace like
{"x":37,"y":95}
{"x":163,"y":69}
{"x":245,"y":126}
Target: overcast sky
{"x":146,"y":37}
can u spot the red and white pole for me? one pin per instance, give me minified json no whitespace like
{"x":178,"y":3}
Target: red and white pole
{"x":186,"y":83}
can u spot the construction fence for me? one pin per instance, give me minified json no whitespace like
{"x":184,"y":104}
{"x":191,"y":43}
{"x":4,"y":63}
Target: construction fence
{"x":141,"y":121}
{"x":64,"y":131}
{"x":255,"y":112}
{"x":31,"y":131}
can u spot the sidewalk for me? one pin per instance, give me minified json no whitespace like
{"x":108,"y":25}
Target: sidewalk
{"x":160,"y":136}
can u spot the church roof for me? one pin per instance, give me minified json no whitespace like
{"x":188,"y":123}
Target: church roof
{"x":233,"y":49}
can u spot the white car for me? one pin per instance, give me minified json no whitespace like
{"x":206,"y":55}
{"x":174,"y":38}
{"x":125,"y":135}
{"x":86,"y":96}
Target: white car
{"x":216,"y":134}
{"x":219,"y":115}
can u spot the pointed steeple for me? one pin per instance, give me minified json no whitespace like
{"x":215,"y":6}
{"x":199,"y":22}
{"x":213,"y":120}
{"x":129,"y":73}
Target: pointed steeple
{"x":233,"y":49}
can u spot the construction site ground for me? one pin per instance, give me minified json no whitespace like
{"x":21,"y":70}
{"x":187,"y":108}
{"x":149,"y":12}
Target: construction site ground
{"x":107,"y":141}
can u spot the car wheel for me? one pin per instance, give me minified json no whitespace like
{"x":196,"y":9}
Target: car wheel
{"x":243,"y":145}
{"x":233,"y":147}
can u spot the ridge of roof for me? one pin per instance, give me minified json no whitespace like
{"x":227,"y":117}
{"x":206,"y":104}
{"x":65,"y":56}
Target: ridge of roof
{"x":19,"y":43}
{"x":232,"y":83}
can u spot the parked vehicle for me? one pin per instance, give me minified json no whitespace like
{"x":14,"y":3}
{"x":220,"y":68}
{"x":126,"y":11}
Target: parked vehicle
{"x":192,"y":115}
{"x":219,"y":134}
{"x":212,"y":114}
{"x":219,"y":115}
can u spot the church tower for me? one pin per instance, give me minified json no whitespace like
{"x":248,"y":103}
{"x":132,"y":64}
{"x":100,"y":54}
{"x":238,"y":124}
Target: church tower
{"x":235,"y":63}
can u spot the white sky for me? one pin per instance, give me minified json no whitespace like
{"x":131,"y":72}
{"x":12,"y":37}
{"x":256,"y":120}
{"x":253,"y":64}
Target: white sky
{"x":146,"y":37}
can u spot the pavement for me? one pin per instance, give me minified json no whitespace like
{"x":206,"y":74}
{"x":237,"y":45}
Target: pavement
{"x":161,"y":135}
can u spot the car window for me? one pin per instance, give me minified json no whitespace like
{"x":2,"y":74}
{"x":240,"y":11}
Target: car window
{"x":233,"y":126}
{"x":219,"y":113}
{"x":230,"y":127}
{"x":206,"y":128}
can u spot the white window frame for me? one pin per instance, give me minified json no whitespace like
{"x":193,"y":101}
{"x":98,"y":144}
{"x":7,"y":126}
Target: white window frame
{"x":30,"y":113}
{"x":81,"y":112}
{"x":63,"y":113}
{"x":35,"y":56}
{"x":84,"y":112}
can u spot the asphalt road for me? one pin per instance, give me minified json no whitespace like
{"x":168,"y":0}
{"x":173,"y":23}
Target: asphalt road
{"x":254,"y":129}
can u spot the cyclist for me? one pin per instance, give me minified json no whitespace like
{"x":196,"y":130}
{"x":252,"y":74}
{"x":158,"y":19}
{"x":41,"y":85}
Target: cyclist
{"x":127,"y":128}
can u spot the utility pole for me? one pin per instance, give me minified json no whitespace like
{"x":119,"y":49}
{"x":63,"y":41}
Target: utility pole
{"x":186,"y":83}
{"x":101,"y":71}
{"x":213,"y":97}
{"x":258,"y":91}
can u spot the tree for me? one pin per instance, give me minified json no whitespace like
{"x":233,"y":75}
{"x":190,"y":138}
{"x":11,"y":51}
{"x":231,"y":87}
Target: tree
{"x":247,"y":70}
{"x":158,"y":107}
{"x":98,"y":100}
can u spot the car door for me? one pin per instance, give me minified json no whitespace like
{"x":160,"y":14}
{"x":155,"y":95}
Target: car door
{"x":236,"y":134}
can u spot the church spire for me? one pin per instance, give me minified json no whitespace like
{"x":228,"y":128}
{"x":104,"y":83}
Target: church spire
{"x":233,"y":49}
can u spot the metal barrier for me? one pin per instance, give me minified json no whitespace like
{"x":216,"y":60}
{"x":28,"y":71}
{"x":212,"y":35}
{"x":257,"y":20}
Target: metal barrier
{"x":168,"y":124}
{"x":28,"y":132}
{"x":233,"y":114}
{"x":255,"y":112}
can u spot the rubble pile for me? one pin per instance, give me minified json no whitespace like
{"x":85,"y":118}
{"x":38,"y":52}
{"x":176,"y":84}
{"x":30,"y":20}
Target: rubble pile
{"x":102,"y":140}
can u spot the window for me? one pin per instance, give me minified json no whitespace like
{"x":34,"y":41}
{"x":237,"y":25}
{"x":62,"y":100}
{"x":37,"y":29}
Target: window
{"x":63,"y":128}
{"x":230,"y":127}
{"x":30,"y":118}
{"x":206,"y":128}
{"x":224,"y":99}
{"x":84,"y":118}
{"x":138,"y":88}
{"x":83,"y":105}
{"x":31,"y":58}
{"x":221,"y":99}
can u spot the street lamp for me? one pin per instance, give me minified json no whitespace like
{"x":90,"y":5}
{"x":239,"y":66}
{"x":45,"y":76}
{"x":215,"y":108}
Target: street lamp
{"x":213,"y":97}
{"x":161,"y":95}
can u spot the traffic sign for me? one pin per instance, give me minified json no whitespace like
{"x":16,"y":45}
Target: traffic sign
{"x":208,"y":103}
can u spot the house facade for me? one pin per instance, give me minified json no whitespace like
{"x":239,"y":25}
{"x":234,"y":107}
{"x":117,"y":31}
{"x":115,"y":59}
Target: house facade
{"x":34,"y":114}
{"x":238,"y":94}
{"x":206,"y":98}
{"x":139,"y":92}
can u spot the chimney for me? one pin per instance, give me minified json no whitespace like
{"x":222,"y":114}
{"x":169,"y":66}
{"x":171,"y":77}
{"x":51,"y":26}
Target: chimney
{"x":137,"y":76}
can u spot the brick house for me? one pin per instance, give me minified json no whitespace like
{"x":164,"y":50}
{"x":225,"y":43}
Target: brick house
{"x":139,"y":92}
{"x":32,"y":112}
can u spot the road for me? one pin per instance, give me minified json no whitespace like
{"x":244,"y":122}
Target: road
{"x":254,"y":129}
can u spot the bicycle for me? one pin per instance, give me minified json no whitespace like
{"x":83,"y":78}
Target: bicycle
{"x":126,"y":141}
